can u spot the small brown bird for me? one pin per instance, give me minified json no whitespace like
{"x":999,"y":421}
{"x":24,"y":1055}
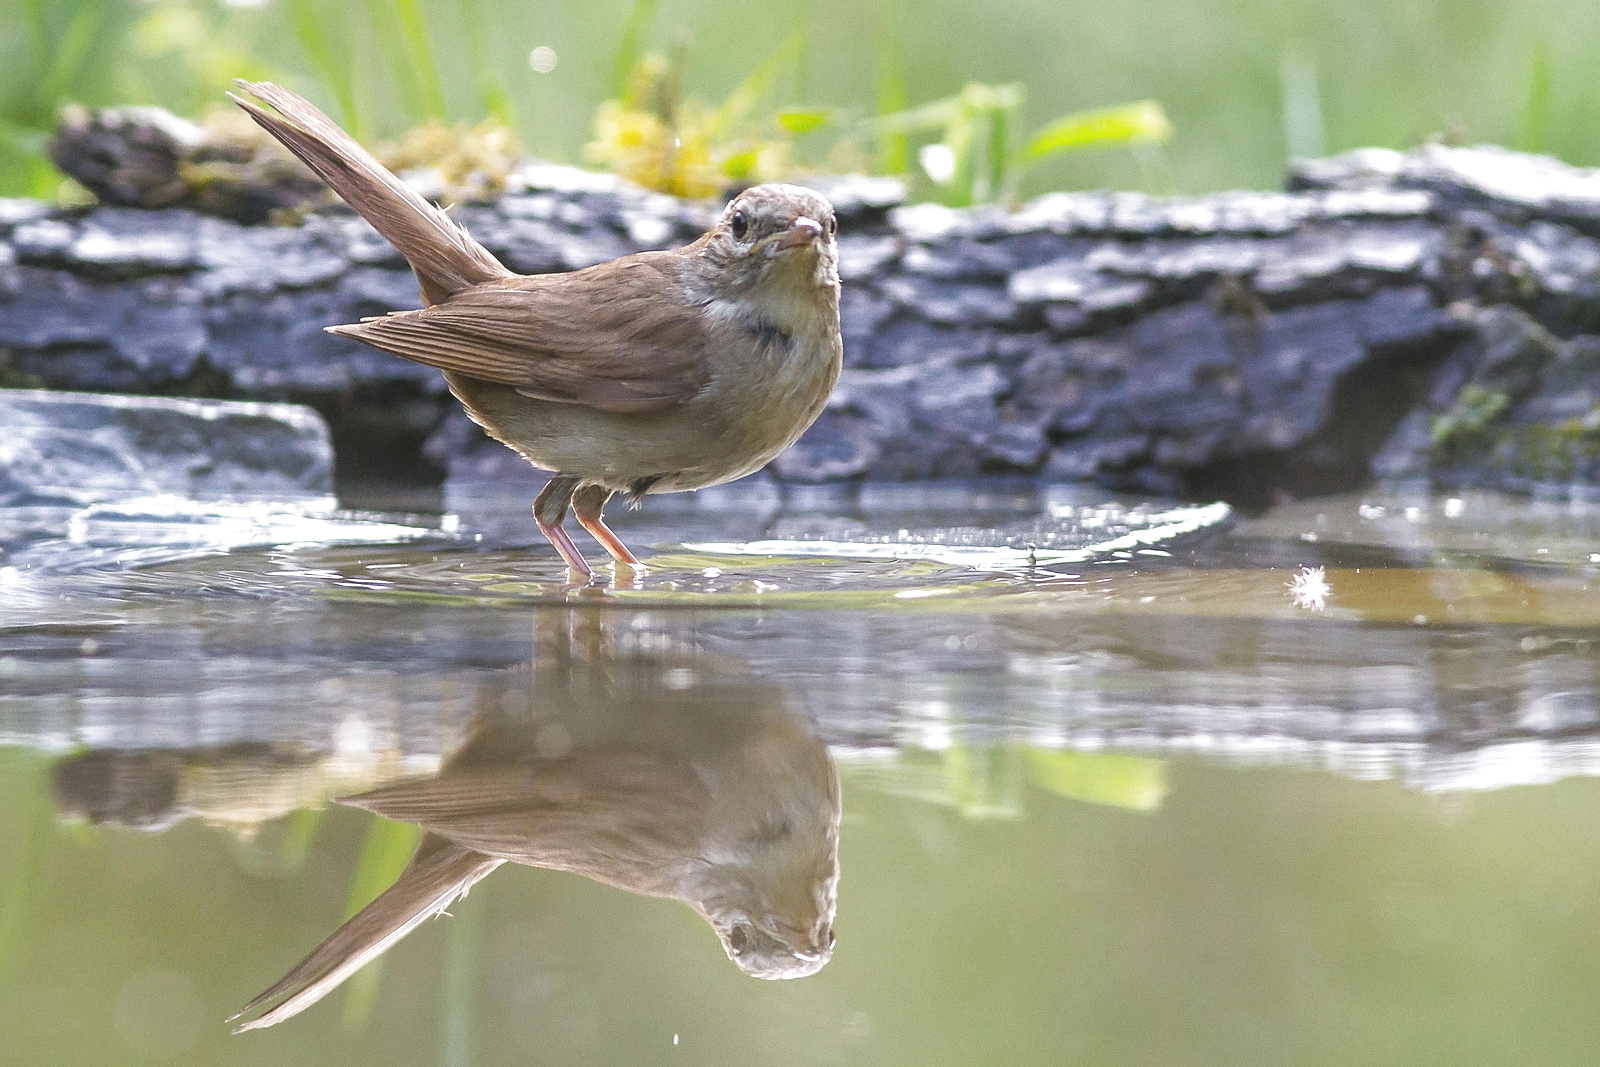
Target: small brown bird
{"x":657,"y":372}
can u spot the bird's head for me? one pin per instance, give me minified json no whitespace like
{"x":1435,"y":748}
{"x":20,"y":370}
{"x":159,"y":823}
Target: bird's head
{"x":782,"y":234}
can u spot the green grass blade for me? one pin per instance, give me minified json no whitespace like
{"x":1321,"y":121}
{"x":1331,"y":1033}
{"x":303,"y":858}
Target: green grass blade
{"x":1302,"y":103}
{"x":985,"y":782}
{"x":338,"y":77}
{"x":423,"y":69}
{"x":757,"y":85}
{"x":24,"y":168}
{"x":889,"y":90}
{"x":491,"y":86}
{"x":1140,"y":123}
{"x":33,"y":15}
{"x":961,"y":134}
{"x":70,"y":52}
{"x":996,"y":177}
{"x":392,"y":47}
{"x":1156,"y":172}
{"x":296,"y":843}
{"x":930,"y":116}
{"x":806,"y":119}
{"x":1534,"y":134}
{"x":631,"y":46}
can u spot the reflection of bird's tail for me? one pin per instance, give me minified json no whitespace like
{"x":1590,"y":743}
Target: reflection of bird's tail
{"x":445,"y":258}
{"x":438,"y":874}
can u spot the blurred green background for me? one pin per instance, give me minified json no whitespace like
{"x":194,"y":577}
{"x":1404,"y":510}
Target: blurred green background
{"x":1244,"y":82}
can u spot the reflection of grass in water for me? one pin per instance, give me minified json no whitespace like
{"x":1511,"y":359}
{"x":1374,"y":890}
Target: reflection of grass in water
{"x":461,"y":934}
{"x":699,"y":561}
{"x":276,"y":847}
{"x":388,"y":849}
{"x":295,"y":844}
{"x":987,"y":781}
{"x":1136,"y":782}
{"x":27,"y":776}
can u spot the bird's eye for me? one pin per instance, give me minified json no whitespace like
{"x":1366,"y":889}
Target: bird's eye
{"x":833,"y":225}
{"x":739,"y":939}
{"x":740,"y":223}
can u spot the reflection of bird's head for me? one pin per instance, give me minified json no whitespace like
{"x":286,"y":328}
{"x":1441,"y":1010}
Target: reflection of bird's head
{"x":768,"y":880}
{"x":778,"y":938}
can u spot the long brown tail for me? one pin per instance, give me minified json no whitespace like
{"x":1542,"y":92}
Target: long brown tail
{"x":444,"y":256}
{"x":439,"y":873}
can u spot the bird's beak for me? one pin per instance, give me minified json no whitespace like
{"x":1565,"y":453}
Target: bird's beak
{"x":801,"y":232}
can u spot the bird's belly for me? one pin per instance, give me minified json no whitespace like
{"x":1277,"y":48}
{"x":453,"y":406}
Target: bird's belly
{"x":685,"y":447}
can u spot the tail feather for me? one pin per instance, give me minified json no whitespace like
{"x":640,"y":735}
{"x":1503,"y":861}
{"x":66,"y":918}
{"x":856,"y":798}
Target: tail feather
{"x":444,"y":256}
{"x":438,"y":874}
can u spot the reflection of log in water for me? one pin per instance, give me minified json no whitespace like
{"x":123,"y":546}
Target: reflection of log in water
{"x":633,"y":761}
{"x":239,"y":787}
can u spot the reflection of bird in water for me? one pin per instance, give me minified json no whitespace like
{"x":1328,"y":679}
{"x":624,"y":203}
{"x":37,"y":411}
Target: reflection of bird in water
{"x":655,"y":770}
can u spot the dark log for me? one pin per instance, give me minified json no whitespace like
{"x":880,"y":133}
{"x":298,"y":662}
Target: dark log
{"x":1431,"y":315}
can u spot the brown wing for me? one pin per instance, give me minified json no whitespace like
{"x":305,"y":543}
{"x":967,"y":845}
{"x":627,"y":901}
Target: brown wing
{"x":619,"y":337}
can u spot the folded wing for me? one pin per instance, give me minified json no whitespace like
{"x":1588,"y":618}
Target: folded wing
{"x":619,"y":337}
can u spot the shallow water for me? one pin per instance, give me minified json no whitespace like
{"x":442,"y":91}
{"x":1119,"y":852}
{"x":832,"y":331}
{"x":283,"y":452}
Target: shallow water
{"x":1120,"y":782}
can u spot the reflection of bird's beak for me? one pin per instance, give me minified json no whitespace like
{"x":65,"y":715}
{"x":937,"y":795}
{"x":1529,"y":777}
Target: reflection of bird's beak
{"x":804,"y":946}
{"x":801,"y":232}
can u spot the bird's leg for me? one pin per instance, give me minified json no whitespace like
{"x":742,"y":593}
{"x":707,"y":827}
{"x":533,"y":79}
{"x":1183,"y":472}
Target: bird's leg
{"x":549,"y":509}
{"x":586,"y":505}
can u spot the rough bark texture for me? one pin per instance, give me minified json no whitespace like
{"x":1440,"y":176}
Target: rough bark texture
{"x":1430,"y":315}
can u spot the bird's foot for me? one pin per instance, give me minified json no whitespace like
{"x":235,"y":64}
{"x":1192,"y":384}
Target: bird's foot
{"x":587,"y":503}
{"x":608,"y":540}
{"x":569,"y":551}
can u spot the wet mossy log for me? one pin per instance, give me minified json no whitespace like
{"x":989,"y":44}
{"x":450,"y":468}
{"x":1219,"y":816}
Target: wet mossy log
{"x":1427,"y":315}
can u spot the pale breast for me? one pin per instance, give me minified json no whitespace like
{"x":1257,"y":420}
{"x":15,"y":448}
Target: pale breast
{"x":767,"y":400}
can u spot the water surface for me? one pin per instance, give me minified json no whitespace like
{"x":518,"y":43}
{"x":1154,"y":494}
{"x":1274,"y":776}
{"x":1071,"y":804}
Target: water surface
{"x":1120,"y":782}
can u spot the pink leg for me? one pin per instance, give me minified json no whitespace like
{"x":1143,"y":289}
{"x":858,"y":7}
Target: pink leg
{"x":586,"y":505}
{"x":568,"y":550}
{"x":549,"y":509}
